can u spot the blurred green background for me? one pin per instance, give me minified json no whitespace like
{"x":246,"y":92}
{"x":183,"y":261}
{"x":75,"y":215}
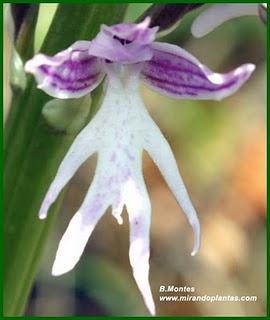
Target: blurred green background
{"x":220,"y":149}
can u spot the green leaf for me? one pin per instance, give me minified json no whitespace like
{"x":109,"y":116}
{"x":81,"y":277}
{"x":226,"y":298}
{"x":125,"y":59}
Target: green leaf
{"x":33,"y":152}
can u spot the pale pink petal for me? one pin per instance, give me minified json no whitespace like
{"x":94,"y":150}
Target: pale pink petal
{"x":105,"y":47}
{"x":125,"y":43}
{"x":176,"y":73}
{"x":139,"y":33}
{"x":71,"y":73}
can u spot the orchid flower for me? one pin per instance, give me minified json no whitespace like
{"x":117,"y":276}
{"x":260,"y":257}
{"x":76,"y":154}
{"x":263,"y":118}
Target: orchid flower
{"x":216,"y":14}
{"x":122,"y":128}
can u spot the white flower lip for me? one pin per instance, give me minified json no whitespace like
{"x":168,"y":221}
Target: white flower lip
{"x":118,"y":181}
{"x":121,"y":130}
{"x":217,"y":14}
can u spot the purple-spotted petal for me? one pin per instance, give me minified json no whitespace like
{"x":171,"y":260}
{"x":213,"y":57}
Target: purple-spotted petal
{"x":71,"y":73}
{"x":139,"y":33}
{"x":79,"y":230}
{"x":174,"y":72}
{"x":85,"y":144}
{"x":139,"y":211}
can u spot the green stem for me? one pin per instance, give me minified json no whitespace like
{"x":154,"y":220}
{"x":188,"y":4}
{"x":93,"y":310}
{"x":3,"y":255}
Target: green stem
{"x":33,"y":153}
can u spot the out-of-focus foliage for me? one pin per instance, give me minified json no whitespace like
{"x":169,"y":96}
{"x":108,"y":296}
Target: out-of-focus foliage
{"x":33,"y":151}
{"x":220,"y":149}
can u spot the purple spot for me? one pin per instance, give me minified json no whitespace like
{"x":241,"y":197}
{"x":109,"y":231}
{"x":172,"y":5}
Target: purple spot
{"x":111,"y":180}
{"x":126,"y":175}
{"x":138,"y":227}
{"x":96,"y":205}
{"x":131,"y":157}
{"x":113,"y":157}
{"x":93,"y":211}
